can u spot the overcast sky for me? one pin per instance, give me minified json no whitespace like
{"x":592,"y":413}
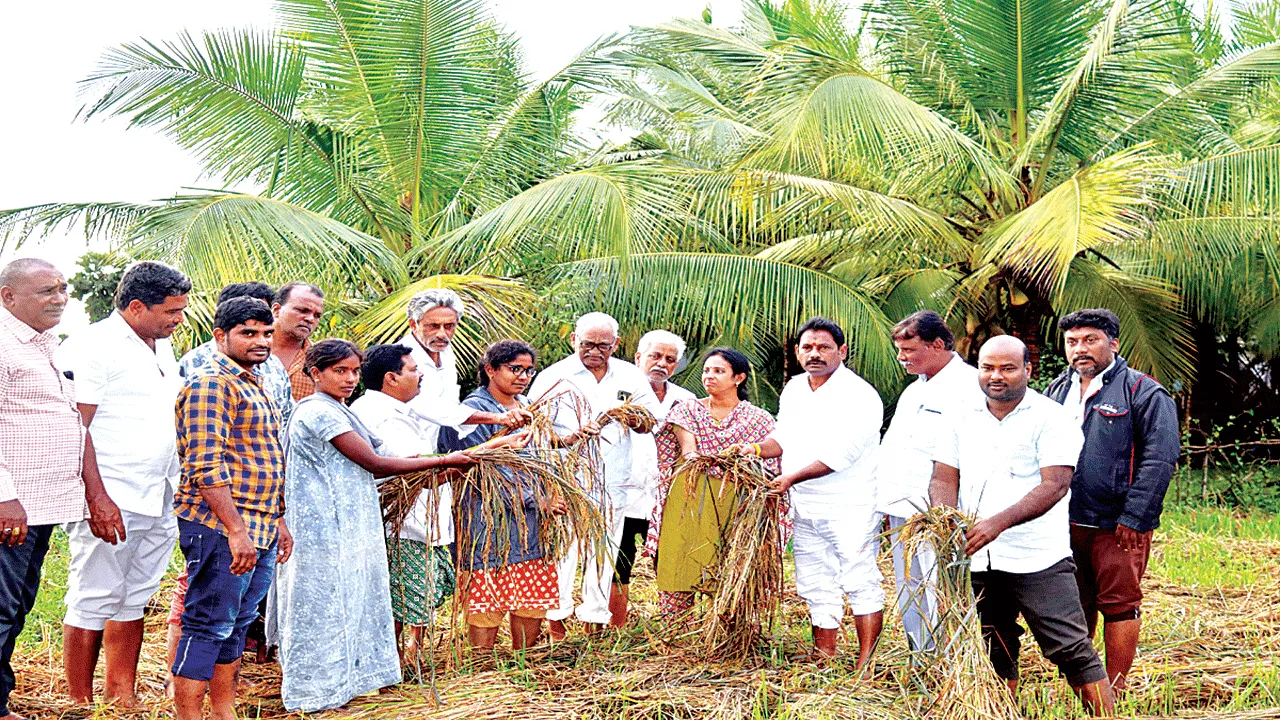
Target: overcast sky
{"x":46,"y":47}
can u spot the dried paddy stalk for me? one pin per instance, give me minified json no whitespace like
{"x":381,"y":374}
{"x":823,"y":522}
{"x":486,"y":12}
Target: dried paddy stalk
{"x":745,"y":582}
{"x":958,"y":675}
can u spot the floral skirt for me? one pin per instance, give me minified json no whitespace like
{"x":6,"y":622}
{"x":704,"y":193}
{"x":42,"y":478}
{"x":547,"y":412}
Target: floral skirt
{"x":528,"y":585}
{"x":422,"y":579}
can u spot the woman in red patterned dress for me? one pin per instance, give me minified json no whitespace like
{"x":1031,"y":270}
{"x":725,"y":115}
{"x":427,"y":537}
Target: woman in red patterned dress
{"x":524,"y":582}
{"x":688,"y":523}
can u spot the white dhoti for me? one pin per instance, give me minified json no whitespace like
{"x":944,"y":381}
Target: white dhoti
{"x":115,"y":582}
{"x":835,"y":560}
{"x":597,"y":577}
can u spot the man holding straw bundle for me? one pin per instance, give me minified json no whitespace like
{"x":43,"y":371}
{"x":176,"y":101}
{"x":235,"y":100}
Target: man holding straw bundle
{"x":926,"y":349}
{"x":1008,"y":463}
{"x":597,"y":382}
{"x":829,"y":468}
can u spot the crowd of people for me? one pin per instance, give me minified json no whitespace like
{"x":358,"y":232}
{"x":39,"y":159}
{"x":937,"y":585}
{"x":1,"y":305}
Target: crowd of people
{"x":248,"y":454}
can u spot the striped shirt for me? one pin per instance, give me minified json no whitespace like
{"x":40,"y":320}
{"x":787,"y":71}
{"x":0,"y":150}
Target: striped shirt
{"x":229,"y":436}
{"x":41,"y":433}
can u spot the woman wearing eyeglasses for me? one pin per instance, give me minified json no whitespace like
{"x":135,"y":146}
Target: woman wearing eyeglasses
{"x":524,"y":583}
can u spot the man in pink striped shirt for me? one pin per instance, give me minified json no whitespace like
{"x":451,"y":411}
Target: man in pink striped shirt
{"x":48,"y":475}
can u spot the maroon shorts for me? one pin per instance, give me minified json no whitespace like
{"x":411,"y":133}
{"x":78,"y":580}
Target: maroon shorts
{"x":1110,"y":578}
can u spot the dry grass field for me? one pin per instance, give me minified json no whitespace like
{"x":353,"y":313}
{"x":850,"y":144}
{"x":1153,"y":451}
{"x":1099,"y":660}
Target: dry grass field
{"x":1211,"y":649}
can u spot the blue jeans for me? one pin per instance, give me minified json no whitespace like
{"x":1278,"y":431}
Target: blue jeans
{"x":19,"y":581}
{"x":220,"y":606}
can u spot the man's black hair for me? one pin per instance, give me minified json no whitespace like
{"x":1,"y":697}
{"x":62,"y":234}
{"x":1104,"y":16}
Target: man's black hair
{"x":824,"y":325}
{"x":926,"y":325}
{"x":253,"y":289}
{"x":380,"y":360}
{"x":1099,"y":318}
{"x":282,"y":295}
{"x":240,"y":310}
{"x":151,"y":283}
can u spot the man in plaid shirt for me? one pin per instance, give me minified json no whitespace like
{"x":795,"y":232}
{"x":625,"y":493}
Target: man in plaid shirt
{"x":230,"y":507}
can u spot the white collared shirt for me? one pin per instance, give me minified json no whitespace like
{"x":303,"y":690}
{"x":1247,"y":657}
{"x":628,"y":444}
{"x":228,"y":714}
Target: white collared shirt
{"x":1000,"y":462}
{"x":404,"y":433}
{"x":439,"y":400}
{"x":644,"y":453}
{"x":621,"y":381}
{"x":135,"y":390}
{"x":1074,"y":402}
{"x":922,"y":415}
{"x":838,"y":425}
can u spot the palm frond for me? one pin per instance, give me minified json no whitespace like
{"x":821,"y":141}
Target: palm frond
{"x":219,"y":238}
{"x":496,"y":308}
{"x":229,"y":96}
{"x":1104,"y":204}
{"x":108,"y":221}
{"x":752,"y":300}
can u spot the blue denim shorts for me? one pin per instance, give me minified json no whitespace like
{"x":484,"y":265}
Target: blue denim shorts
{"x":220,"y":606}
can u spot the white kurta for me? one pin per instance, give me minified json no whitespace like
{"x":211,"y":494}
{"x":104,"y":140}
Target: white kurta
{"x":439,"y":399}
{"x":404,"y":433}
{"x":836,"y":521}
{"x":923,"y":415}
{"x":623,"y":489}
{"x":134,"y":389}
{"x":644,"y":453}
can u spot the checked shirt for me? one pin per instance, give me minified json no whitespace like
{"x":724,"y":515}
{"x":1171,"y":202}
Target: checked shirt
{"x":229,"y":435}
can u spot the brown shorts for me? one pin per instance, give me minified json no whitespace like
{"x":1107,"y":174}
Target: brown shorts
{"x":1110,"y":578}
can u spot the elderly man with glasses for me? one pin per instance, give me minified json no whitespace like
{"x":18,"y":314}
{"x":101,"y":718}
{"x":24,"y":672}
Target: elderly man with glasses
{"x":597,"y":382}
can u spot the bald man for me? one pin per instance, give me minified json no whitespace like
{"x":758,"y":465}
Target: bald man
{"x":48,"y":475}
{"x":1008,"y":463}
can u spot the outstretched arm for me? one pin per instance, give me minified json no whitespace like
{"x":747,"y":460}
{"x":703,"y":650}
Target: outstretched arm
{"x":358,"y":451}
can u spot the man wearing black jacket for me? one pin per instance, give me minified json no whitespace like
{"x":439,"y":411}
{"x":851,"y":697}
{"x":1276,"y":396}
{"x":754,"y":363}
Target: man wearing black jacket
{"x":1117,"y":494}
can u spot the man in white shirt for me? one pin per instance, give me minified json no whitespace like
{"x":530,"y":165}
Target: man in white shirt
{"x":127,"y":382}
{"x":828,"y":435}
{"x":434,"y":315}
{"x":926,"y":349}
{"x":658,"y":355}
{"x":391,"y":379}
{"x":1009,"y":464}
{"x":600,"y":382}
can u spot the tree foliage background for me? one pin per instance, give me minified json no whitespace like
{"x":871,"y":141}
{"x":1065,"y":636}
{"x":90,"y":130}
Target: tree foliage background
{"x":1003,"y":163}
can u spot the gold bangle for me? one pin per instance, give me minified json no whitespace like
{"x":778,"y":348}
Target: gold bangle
{"x":756,"y":447}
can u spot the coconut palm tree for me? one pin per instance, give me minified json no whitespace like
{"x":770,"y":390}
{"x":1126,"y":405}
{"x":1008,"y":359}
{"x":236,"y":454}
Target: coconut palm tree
{"x":354,"y":133}
{"x":1003,"y":162}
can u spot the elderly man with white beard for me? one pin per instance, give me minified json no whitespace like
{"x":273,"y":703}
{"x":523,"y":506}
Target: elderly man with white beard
{"x":658,"y":355}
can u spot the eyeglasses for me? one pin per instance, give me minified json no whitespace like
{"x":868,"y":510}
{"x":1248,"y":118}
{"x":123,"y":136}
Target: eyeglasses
{"x":521,"y":370}
{"x":602,"y":347}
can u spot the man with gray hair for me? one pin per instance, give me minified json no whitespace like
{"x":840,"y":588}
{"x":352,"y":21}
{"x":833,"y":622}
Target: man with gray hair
{"x":598,"y":382}
{"x":658,"y":355}
{"x":434,"y":315}
{"x":47,"y":471}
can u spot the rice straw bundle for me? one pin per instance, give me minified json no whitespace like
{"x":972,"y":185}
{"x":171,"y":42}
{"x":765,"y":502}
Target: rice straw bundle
{"x":503,"y":478}
{"x":745,"y":582}
{"x":958,"y":675}
{"x":399,"y":493}
{"x":630,"y":414}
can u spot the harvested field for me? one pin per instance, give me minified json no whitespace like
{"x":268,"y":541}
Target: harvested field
{"x":1211,"y":649}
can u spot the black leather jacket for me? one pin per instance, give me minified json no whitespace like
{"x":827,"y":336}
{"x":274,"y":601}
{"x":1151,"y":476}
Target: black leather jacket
{"x":1130,"y":446}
